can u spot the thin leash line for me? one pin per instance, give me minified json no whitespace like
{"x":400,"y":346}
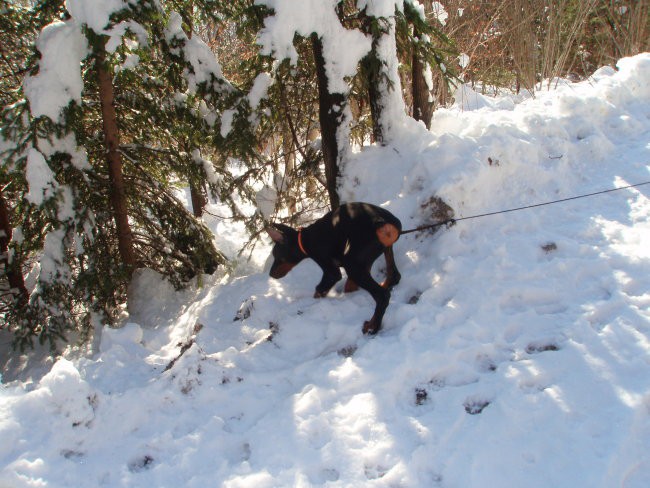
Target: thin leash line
{"x":453,"y":221}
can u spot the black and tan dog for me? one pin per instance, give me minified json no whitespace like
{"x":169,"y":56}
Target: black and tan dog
{"x":352,"y":236}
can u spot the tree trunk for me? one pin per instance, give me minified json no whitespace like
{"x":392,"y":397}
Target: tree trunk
{"x":289,"y":162}
{"x":198,"y":200}
{"x":422,"y":104}
{"x":372,"y":70}
{"x":380,"y":68}
{"x":422,"y":99}
{"x":330,"y":114}
{"x":197,"y":195}
{"x":12,"y":270}
{"x":114,"y":161}
{"x":374,"y":95}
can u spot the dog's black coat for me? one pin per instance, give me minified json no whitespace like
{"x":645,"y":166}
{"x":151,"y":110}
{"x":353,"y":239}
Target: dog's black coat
{"x":344,"y":237}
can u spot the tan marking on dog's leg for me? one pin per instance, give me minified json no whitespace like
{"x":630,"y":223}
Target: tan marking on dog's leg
{"x":350,"y":286}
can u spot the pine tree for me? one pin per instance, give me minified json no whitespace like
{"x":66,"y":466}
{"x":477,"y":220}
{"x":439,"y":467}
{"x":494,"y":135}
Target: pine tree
{"x":113,"y":158}
{"x":18,"y":29}
{"x":427,"y":48}
{"x":55,"y":158}
{"x":143,"y":110}
{"x":331,"y":116}
{"x":389,"y":32}
{"x":217,"y":126}
{"x":43,"y":177}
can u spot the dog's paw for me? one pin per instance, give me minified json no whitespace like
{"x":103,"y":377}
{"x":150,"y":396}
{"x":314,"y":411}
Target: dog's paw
{"x":370,"y":327}
{"x":319,"y":294}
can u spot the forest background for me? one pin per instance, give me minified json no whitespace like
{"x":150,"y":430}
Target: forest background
{"x":109,"y":108}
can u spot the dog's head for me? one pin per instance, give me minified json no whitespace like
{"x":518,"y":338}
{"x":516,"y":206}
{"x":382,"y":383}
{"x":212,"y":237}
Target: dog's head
{"x":286,"y":251}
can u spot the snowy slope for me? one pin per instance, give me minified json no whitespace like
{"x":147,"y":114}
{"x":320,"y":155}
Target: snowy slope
{"x":515,"y":351}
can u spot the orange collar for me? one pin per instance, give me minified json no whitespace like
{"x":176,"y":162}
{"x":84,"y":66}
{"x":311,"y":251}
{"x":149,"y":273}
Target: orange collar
{"x":302,"y":248}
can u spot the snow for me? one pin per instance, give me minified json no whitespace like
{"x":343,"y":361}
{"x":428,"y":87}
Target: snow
{"x":208,"y":166}
{"x":94,"y":13}
{"x":380,"y":8}
{"x":68,"y":144}
{"x":39,"y":178}
{"x":58,"y":81}
{"x":227,"y":119}
{"x":63,"y":47}
{"x":440,"y":13}
{"x":259,"y":90}
{"x":131,"y":61}
{"x":515,"y":351}
{"x":53,"y":267}
{"x":205,"y":69}
{"x":393,"y":111}
{"x":266,"y":199}
{"x":342,"y":48}
{"x":116,"y":37}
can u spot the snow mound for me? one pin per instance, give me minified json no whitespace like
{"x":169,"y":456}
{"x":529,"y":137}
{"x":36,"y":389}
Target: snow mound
{"x":514,"y":352}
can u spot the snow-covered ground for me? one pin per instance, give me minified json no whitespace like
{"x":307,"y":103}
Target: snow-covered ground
{"x":515,"y":351}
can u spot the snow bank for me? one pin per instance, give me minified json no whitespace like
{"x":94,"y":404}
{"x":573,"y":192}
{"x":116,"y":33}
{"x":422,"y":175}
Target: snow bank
{"x":514,"y":352}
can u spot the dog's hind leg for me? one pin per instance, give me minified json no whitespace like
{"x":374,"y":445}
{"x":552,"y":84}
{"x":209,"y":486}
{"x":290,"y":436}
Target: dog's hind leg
{"x":351,"y":285}
{"x":360,"y":275}
{"x":393,"y":276}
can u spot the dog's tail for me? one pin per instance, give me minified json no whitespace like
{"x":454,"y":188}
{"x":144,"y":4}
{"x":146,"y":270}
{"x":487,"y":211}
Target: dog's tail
{"x":448,"y":223}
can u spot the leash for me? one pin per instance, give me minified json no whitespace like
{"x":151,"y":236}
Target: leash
{"x":450,"y":222}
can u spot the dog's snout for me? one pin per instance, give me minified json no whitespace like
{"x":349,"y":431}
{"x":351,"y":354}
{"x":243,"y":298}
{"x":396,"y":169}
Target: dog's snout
{"x":280,"y":269}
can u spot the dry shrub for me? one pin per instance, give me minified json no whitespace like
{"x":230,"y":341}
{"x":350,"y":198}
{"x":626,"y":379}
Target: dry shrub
{"x":523,"y":44}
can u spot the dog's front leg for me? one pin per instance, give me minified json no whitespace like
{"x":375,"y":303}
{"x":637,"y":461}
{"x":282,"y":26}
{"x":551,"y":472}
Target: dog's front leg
{"x":331,"y":274}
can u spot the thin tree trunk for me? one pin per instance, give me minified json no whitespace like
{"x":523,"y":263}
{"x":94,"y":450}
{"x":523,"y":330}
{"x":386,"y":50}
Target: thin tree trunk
{"x":371,"y":68}
{"x":330,"y":114}
{"x":114,"y":161}
{"x":289,"y":162}
{"x":422,"y":104}
{"x":12,"y":270}
{"x":380,"y":70}
{"x":197,"y":195}
{"x":422,"y":99}
{"x":374,"y":96}
{"x":198,"y":200}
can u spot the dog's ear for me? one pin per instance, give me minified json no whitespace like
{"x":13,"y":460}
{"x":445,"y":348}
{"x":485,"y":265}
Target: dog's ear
{"x":275,"y":234}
